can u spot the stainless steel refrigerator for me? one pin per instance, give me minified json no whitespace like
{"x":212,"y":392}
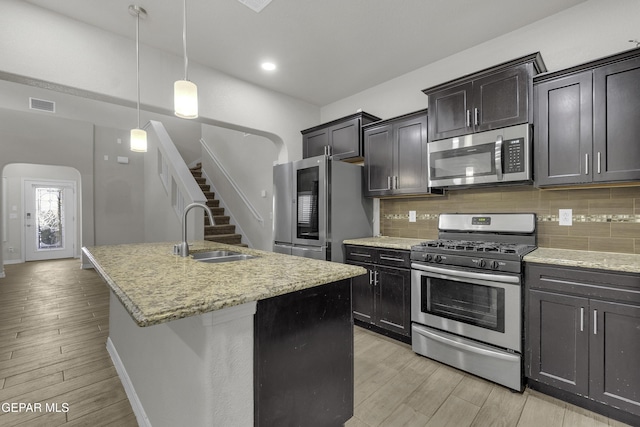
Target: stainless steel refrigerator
{"x":318,"y":203}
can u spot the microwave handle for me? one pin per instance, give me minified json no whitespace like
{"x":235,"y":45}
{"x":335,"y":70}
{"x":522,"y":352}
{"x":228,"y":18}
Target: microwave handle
{"x":498,"y":157}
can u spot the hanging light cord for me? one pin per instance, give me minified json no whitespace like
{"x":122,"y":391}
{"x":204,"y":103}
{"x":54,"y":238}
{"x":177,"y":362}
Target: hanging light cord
{"x":184,"y":37}
{"x":138,"y":63}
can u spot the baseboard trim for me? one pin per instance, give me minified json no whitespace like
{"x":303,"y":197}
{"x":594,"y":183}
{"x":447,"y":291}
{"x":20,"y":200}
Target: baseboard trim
{"x":382,"y":331}
{"x":136,"y":405}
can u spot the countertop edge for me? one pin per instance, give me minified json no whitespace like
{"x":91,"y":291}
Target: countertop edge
{"x":126,"y":302}
{"x":385,"y":242}
{"x":608,"y":261}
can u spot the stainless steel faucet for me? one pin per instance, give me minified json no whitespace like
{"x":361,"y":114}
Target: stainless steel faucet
{"x":182,"y":249}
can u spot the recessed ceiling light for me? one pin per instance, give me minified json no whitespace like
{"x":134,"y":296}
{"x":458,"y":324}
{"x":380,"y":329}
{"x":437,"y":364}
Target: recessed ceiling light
{"x":268,"y":66}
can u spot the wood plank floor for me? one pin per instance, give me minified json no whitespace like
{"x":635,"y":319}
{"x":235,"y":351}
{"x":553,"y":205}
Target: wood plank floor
{"x":53,"y":330}
{"x":396,"y":387}
{"x":54,"y":322}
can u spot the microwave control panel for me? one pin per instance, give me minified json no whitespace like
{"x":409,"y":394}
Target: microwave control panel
{"x":514,"y":156}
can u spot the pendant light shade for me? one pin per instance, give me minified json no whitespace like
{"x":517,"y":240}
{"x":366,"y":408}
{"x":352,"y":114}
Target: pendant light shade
{"x":185,"y":93}
{"x":138,"y":140}
{"x":185,"y":99}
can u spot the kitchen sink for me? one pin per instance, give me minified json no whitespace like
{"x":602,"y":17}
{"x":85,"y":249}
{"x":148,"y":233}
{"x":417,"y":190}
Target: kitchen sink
{"x":221,"y":256}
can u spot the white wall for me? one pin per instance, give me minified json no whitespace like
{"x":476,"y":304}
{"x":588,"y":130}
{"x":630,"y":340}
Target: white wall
{"x":42,"y":45}
{"x":585,"y":32}
{"x":119,"y":187}
{"x":248,"y":159}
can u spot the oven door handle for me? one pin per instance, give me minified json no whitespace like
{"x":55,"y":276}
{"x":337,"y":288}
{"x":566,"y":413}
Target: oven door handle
{"x":462,"y":346}
{"x":458,"y":275}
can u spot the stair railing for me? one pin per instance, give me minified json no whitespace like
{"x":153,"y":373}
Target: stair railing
{"x":173,"y":172}
{"x":232,"y":182}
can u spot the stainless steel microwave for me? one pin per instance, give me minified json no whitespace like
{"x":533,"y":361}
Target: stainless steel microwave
{"x":496,"y":156}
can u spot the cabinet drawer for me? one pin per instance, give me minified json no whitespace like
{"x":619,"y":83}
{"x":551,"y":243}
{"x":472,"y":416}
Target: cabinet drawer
{"x":394,"y":258}
{"x":381,"y":256}
{"x":360,"y":254}
{"x":589,"y":283}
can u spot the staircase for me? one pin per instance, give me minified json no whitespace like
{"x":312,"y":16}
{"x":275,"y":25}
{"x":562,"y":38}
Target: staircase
{"x":222,"y":232}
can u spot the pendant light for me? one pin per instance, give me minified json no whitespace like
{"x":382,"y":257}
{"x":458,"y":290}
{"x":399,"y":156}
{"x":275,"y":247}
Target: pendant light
{"x":138,"y":138}
{"x":185,"y":95}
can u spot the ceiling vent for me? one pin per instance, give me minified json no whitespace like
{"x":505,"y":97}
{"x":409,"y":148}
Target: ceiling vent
{"x":255,"y":5}
{"x":42,"y":105}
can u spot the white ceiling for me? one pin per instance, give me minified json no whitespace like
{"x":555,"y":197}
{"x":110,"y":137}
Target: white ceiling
{"x":325,"y":49}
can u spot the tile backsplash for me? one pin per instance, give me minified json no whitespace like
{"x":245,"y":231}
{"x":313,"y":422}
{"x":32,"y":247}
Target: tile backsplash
{"x":604,"y":219}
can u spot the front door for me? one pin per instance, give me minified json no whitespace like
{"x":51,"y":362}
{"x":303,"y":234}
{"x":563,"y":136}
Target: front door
{"x":50,"y":212}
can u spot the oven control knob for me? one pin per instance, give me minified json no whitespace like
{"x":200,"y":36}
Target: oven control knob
{"x":437,"y":258}
{"x":428,"y":257}
{"x":482,"y":263}
{"x":494,"y":265}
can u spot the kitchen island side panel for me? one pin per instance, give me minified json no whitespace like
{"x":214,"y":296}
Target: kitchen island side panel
{"x":195,"y":371}
{"x":304,"y":357}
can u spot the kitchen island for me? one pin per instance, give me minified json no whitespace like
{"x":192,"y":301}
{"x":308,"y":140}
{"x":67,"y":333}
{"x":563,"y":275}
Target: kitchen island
{"x":263,"y":341}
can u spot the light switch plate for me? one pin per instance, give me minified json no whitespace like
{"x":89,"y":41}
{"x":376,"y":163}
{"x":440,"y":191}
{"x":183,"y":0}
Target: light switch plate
{"x":565,"y":216}
{"x":412,"y":216}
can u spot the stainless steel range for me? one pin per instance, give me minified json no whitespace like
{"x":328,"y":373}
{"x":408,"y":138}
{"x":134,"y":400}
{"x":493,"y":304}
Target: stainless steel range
{"x":466,"y":294}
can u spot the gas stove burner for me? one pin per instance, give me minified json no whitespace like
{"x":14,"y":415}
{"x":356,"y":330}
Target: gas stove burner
{"x":475,"y":246}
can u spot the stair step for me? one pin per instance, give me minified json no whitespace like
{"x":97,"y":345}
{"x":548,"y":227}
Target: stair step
{"x":209,"y":195}
{"x":230,"y":239}
{"x":210,"y":230}
{"x":213,"y":203}
{"x":205,"y":187}
{"x":216,"y":212}
{"x":196,"y":167}
{"x":199,"y":179}
{"x":220,"y":219}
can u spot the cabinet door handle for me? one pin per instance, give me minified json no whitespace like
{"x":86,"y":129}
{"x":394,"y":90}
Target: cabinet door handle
{"x":388,"y":183}
{"x":395,"y":182}
{"x":498,"y":157}
{"x":388,"y":258}
{"x":476,"y":116}
{"x":468,"y":118}
{"x":371,"y":277}
{"x":581,"y":319}
{"x":375,"y":278}
{"x":586,"y":164}
{"x":599,"y":161}
{"x":360,"y":254}
{"x":595,"y":322}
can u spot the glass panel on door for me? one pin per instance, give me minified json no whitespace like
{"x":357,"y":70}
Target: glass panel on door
{"x":469,"y":303}
{"x":307,"y":222}
{"x":49,"y":218}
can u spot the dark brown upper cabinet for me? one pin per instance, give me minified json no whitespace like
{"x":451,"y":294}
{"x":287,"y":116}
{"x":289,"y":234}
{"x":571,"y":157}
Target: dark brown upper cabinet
{"x":586,"y":123}
{"x":395,"y":161}
{"x":341,"y":138}
{"x":490,"y":99}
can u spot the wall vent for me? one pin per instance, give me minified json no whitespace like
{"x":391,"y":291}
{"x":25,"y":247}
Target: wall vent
{"x":255,"y":5}
{"x":42,"y":105}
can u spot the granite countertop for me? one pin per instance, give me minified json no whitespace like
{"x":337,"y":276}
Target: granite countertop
{"x":385,"y":242}
{"x":629,"y":263}
{"x":156,"y":286}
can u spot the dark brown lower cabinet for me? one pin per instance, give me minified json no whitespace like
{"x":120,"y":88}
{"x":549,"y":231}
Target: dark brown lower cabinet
{"x":382,"y":298}
{"x":583,"y":337}
{"x":303,"y":358}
